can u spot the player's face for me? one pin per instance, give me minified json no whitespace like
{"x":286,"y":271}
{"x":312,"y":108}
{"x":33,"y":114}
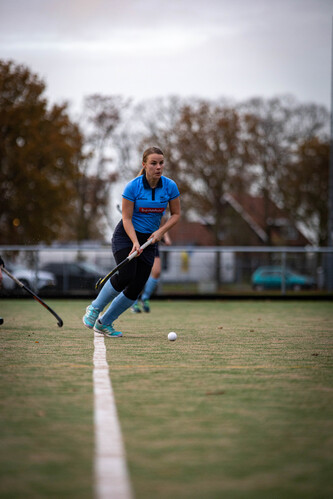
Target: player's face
{"x":154,"y":166}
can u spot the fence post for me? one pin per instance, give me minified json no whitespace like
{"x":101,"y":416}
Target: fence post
{"x":283,"y":280}
{"x":36,"y":267}
{"x":217,"y":269}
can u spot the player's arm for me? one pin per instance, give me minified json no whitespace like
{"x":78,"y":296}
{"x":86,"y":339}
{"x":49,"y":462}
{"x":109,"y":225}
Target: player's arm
{"x":174,"y":206}
{"x":166,"y":239}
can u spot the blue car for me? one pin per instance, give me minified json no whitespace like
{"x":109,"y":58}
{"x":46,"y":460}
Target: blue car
{"x":271,"y":278}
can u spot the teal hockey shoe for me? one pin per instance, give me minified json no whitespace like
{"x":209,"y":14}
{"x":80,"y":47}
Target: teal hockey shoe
{"x":108,"y":331}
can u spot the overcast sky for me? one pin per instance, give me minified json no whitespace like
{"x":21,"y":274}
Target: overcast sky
{"x":149,"y":48}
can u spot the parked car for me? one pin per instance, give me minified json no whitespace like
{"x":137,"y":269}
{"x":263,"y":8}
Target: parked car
{"x":74,"y":277}
{"x":37,"y":282}
{"x":271,"y":278}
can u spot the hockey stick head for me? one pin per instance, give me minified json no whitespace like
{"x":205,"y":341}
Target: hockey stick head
{"x":102,"y":280}
{"x":99,"y":282}
{"x":35,"y":297}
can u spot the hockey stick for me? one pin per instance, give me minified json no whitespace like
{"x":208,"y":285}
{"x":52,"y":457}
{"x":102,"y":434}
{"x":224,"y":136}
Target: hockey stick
{"x":103,"y":280}
{"x":19,"y":283}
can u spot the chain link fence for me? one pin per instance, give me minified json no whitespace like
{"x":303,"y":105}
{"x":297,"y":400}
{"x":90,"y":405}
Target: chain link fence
{"x":72,"y":270}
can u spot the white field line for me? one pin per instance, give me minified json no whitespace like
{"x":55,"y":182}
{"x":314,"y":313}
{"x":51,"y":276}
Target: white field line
{"x":111,"y":475}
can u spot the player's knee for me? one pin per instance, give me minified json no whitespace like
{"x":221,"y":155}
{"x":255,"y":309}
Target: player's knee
{"x":133,"y":290}
{"x":131,"y":294}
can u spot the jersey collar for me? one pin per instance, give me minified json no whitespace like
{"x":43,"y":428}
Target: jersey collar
{"x":146,"y":184}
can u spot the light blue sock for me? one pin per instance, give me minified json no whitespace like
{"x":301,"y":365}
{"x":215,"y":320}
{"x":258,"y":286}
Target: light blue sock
{"x":106,"y":294}
{"x":150,"y":287}
{"x":117,"y":307}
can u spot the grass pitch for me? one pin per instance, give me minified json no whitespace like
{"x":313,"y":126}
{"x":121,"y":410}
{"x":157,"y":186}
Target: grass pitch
{"x":240,"y":406}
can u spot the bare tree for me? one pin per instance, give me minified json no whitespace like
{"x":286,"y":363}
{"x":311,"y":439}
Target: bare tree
{"x":304,"y":187}
{"x":206,"y":151}
{"x":102,"y":117}
{"x":277,"y":128}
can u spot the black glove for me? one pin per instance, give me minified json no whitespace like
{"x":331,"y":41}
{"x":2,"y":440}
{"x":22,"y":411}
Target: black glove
{"x":2,"y":262}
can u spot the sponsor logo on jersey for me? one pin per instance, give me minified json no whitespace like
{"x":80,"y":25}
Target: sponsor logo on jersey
{"x":151,"y":210}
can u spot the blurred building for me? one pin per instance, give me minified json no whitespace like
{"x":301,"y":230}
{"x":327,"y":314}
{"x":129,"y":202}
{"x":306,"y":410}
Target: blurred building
{"x":247,"y":221}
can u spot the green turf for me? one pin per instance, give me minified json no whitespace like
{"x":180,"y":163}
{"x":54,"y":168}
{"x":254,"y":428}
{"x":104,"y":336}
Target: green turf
{"x":46,"y":402}
{"x":240,"y":406}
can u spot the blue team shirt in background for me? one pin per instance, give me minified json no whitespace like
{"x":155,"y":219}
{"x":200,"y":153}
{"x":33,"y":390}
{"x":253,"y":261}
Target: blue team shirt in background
{"x":149,"y":204}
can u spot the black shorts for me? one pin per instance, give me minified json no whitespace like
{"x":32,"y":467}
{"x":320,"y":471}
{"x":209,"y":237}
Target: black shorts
{"x":132,"y":278}
{"x":120,"y":241}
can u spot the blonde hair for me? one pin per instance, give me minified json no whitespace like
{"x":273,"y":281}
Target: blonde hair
{"x":148,"y":152}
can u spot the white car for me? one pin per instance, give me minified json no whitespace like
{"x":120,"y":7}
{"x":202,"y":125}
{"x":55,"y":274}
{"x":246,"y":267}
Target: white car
{"x":35,"y":281}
